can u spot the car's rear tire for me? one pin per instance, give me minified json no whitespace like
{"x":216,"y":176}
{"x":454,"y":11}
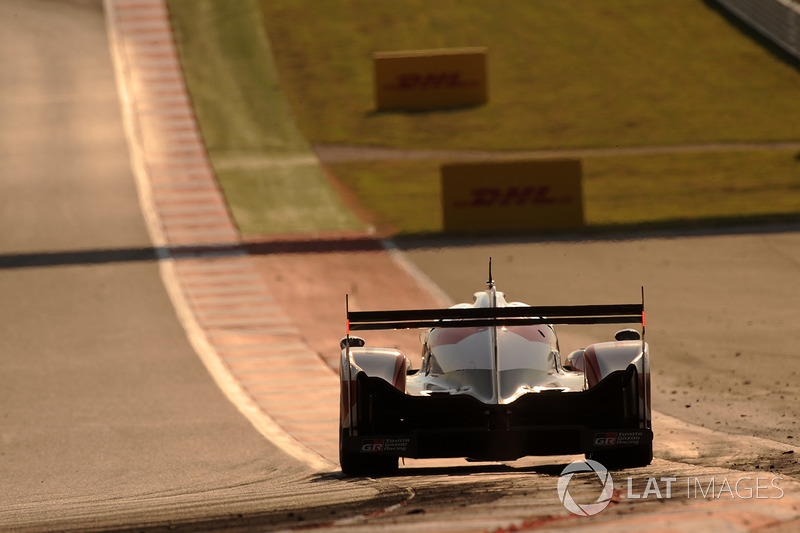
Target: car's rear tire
{"x":359,"y":464}
{"x":624,"y":457}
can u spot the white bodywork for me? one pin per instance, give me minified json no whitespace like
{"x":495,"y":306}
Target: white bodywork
{"x":495,"y":364}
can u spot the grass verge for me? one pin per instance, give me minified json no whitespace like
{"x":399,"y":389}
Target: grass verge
{"x":259,"y":155}
{"x":562,"y":73}
{"x":682,"y":189}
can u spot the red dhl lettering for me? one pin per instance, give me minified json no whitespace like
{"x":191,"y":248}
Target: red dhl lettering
{"x":510,"y":196}
{"x":430,"y":80}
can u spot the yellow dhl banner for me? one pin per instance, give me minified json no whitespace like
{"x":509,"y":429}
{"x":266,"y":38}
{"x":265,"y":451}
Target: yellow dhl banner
{"x":430,"y":79}
{"x":512,"y":195}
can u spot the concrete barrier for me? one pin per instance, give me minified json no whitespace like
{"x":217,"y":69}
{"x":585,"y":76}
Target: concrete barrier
{"x":777,"y":20}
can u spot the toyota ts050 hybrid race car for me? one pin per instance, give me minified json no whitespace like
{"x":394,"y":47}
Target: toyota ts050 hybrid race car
{"x":493,"y":387}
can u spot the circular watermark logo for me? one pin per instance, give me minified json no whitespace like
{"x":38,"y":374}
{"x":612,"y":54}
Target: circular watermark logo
{"x":588,"y":509}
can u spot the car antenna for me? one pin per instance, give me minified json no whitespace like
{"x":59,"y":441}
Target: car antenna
{"x":490,"y":283}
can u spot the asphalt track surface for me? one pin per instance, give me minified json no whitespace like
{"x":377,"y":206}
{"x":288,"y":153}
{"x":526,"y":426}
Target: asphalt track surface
{"x":108,"y":417}
{"x":110,"y":420}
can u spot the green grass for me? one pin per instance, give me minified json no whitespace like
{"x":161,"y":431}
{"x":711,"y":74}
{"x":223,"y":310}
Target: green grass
{"x":562,"y":73}
{"x":258,"y":153}
{"x":671,"y":190}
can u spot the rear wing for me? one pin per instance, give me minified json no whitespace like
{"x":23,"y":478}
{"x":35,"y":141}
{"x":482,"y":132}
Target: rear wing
{"x":496,"y":316}
{"x":486,"y":317}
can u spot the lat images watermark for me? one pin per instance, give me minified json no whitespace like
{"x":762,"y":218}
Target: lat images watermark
{"x":587,"y":509}
{"x":659,"y":488}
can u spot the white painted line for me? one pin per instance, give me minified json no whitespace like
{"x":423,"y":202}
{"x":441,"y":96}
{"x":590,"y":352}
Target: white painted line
{"x":424,"y":281}
{"x":231,"y":387}
{"x":198,"y":337}
{"x":130,"y":122}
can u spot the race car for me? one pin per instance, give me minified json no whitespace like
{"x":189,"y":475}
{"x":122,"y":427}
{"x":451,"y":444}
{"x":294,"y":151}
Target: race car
{"x":492,"y":386}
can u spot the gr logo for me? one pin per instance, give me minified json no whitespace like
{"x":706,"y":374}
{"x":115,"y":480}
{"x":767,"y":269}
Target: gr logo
{"x":605,"y":439}
{"x":372,"y":445}
{"x":605,"y":494}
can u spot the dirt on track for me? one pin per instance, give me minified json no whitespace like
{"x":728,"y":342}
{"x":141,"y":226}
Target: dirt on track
{"x":721,"y":309}
{"x":311,"y":277}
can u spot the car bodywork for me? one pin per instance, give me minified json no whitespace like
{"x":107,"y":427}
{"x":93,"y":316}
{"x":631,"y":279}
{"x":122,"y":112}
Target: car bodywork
{"x":493,"y":386}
